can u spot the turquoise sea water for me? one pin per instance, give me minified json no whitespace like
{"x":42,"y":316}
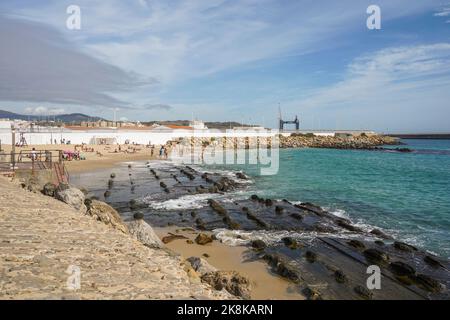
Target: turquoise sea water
{"x":406,"y":194}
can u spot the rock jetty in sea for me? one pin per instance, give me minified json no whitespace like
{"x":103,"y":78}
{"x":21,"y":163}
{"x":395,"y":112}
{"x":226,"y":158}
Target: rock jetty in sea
{"x":353,"y":142}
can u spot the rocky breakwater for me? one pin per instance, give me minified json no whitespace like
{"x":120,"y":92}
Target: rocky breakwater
{"x":336,"y":142}
{"x":49,"y":240}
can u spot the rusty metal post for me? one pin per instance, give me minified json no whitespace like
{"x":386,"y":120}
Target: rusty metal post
{"x":13,"y":146}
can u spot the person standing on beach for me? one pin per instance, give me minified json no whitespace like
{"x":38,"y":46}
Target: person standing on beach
{"x":33,"y":154}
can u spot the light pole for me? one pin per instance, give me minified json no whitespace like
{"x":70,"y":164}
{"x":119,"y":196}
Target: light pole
{"x":13,"y":146}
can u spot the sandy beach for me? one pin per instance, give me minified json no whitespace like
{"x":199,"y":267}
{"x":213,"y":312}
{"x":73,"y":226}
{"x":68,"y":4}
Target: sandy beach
{"x":100,"y":156}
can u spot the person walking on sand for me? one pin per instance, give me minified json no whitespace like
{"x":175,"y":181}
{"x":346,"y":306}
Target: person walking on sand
{"x":33,"y":154}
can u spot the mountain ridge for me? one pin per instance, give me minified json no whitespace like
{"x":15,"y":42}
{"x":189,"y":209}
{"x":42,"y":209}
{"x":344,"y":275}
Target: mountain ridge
{"x":68,"y":117}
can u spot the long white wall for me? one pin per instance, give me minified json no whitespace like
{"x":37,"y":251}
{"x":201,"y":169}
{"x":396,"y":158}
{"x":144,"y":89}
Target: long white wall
{"x":140,"y":137}
{"x":143,"y":137}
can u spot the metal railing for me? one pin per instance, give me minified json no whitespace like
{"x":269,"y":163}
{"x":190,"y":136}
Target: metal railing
{"x":33,"y":160}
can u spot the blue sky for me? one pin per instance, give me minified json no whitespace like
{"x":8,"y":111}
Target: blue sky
{"x":221,"y":60}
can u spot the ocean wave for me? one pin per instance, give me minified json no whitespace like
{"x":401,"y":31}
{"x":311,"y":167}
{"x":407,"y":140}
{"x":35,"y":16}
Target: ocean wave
{"x":360,"y":223}
{"x":243,"y":237}
{"x":196,"y":201}
{"x":339,"y":213}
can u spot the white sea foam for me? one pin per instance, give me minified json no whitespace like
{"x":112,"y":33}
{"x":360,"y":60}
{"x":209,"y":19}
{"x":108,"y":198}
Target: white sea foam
{"x":196,"y":201}
{"x":360,"y":223}
{"x":339,"y":213}
{"x":242,"y":237}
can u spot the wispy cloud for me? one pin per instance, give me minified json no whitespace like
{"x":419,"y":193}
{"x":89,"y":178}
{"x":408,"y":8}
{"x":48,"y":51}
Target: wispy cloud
{"x":39,"y":65}
{"x":187,"y":44}
{"x":179,"y":40}
{"x":410,"y":85}
{"x":387,"y":73}
{"x":158,"y":106}
{"x":444,"y":12}
{"x":45,"y":111}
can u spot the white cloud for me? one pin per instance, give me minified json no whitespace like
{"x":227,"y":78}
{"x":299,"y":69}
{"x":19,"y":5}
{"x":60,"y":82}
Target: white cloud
{"x":40,"y":65}
{"x":444,"y":12}
{"x":178,"y":40}
{"x":393,"y":70}
{"x":404,"y":87}
{"x":44,"y":111}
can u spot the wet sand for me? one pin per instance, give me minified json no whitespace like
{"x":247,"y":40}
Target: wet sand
{"x":264,"y":284}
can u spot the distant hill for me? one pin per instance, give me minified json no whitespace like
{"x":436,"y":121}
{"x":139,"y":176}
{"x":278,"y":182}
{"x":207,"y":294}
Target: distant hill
{"x":67,"y":118}
{"x":79,"y":117}
{"x":211,"y":125}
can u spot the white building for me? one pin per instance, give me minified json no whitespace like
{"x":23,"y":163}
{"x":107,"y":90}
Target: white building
{"x":198,"y":125}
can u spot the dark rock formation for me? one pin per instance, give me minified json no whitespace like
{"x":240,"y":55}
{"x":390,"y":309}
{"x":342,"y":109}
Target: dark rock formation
{"x":49,"y":189}
{"x":376,"y":256}
{"x":363,"y":292}
{"x":231,"y":281}
{"x":258,"y":244}
{"x":340,"y":276}
{"x":310,"y":256}
{"x":290,"y":242}
{"x":401,"y":269}
{"x":203,"y":239}
{"x":404,"y":246}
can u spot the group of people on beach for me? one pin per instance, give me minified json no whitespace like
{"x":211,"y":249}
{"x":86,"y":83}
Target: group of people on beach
{"x":163,"y":152}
